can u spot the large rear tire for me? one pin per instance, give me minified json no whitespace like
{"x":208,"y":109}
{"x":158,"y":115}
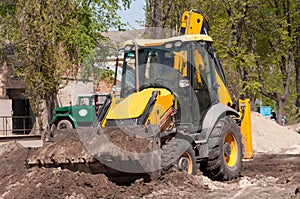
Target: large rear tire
{"x":64,"y":124}
{"x":179,"y":155}
{"x":225,"y":151}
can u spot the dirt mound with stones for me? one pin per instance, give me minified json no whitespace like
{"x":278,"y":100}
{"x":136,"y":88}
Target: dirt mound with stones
{"x":273,"y":173}
{"x":19,"y":182}
{"x":270,"y":137}
{"x":269,"y":176}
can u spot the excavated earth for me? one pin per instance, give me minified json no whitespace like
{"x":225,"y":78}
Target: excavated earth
{"x":274,"y":172}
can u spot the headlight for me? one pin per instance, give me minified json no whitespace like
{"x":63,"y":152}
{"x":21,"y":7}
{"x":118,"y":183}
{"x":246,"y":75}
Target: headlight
{"x":178,"y":44}
{"x":184,"y":83}
{"x":169,"y":45}
{"x":127,"y":48}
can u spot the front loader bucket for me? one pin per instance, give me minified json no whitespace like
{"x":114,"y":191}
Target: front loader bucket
{"x":114,"y":151}
{"x":126,"y":149}
{"x":66,"y":151}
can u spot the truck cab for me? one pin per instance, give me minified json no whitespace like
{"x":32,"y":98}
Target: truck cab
{"x":83,"y":113}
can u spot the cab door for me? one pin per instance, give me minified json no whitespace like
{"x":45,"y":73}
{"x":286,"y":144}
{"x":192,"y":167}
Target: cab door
{"x":203,"y":79}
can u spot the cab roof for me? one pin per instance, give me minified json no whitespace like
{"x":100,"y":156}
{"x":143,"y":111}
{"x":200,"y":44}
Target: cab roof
{"x":158,"y":42}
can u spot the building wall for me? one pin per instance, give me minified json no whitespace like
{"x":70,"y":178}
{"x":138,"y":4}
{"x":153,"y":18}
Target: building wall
{"x":6,"y":110}
{"x":68,"y":95}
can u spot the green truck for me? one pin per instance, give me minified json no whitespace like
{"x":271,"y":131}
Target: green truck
{"x":83,"y":113}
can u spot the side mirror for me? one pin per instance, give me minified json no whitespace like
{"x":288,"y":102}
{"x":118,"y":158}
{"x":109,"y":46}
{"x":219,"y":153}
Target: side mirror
{"x":116,"y":90}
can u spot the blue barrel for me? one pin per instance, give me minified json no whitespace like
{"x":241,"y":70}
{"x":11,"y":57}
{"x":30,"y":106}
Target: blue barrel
{"x":265,"y":111}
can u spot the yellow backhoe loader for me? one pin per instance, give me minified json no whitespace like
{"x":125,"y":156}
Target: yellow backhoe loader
{"x":173,"y":111}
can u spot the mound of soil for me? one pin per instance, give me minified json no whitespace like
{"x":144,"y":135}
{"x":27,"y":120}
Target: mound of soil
{"x":67,"y":149}
{"x":20,"y":182}
{"x":9,"y":146}
{"x":270,"y":137}
{"x":131,"y":139}
{"x":57,"y":183}
{"x":267,"y":176}
{"x":273,"y":173}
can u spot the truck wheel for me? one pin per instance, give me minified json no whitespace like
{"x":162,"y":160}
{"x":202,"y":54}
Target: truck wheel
{"x":225,"y":151}
{"x":64,"y":124}
{"x":178,"y":154}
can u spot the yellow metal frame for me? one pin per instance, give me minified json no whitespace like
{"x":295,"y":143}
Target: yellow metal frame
{"x":194,"y":24}
{"x":224,"y":95}
{"x":246,"y":128}
{"x":135,"y":104}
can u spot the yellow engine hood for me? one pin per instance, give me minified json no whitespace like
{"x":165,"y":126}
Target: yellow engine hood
{"x":134,"y":105}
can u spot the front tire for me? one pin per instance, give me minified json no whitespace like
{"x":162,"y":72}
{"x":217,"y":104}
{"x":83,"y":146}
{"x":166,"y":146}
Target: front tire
{"x":64,"y":124}
{"x":179,"y":155}
{"x":225,"y":151}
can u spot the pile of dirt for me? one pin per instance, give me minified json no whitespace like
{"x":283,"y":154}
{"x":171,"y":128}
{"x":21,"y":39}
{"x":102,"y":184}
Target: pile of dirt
{"x":12,"y":159}
{"x":265,"y":177}
{"x":270,"y":137}
{"x":57,"y":183}
{"x":273,"y":173}
{"x":130,"y":139}
{"x":12,"y":163}
{"x":9,"y":146}
{"x":69,"y":149}
{"x":17,"y":181}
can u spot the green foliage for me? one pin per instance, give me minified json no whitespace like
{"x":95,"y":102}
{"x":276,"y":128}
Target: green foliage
{"x":53,"y":38}
{"x":257,"y":37}
{"x":8,"y":25}
{"x":44,"y":55}
{"x":7,"y":20}
{"x":105,"y":74}
{"x":255,"y":42}
{"x":96,"y":59}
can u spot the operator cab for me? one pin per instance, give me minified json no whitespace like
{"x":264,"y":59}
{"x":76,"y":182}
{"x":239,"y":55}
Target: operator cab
{"x":184,"y":65}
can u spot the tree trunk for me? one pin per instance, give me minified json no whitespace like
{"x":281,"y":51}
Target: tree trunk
{"x":41,"y":120}
{"x":297,"y":67}
{"x":158,"y":25}
{"x":3,"y":79}
{"x":280,"y":103}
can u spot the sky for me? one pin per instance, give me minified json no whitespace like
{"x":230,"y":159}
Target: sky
{"x":136,"y":12}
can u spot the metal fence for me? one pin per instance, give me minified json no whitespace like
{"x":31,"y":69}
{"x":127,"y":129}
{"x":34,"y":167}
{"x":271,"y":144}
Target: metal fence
{"x":15,"y":125}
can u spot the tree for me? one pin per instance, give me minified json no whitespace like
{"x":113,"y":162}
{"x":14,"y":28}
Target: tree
{"x":274,"y":50}
{"x":164,"y":16}
{"x":56,"y":36}
{"x":264,"y":36}
{"x":8,"y":30}
{"x":8,"y":21}
{"x":228,"y":23}
{"x":296,"y":25}
{"x":256,"y":43}
{"x":259,"y":43}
